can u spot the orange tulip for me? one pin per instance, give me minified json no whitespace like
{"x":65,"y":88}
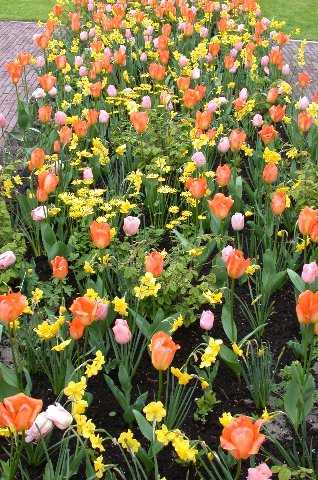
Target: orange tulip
{"x":236,"y":264}
{"x":12,"y":306}
{"x":76,"y":328}
{"x":47,"y":82}
{"x":92,"y":117}
{"x":278,"y":204}
{"x":45,"y":114}
{"x":304,"y":79}
{"x":157,"y":71}
{"x":47,"y":183}
{"x":84,"y":309}
{"x":220,"y":205}
{"x":80,"y":128}
{"x":237,"y":138}
{"x":19,"y":412}
{"x":57,"y":10}
{"x":183,"y":83}
{"x":277,"y":112}
{"x":163,"y":350}
{"x":65,"y":135}
{"x":314,"y":232}
{"x":272,"y":95}
{"x":59,"y":267}
{"x":56,"y":146}
{"x":75,"y":21}
{"x":229,"y":62}
{"x":164,"y":56}
{"x":307,"y":307}
{"x":42,"y":41}
{"x":214,"y":48}
{"x":60,"y":62}
{"x":154,"y":263}
{"x":197,"y":186}
{"x":14,"y":70}
{"x":307,"y":219}
{"x":305,"y":121}
{"x":268,"y":134}
{"x":37,"y":159}
{"x":223,"y":175}
{"x":276,"y":58}
{"x":100,"y":234}
{"x":242,"y":437}
{"x":270,"y":173}
{"x":96,"y":89}
{"x":191,"y":97}
{"x":24,"y":58}
{"x":140,"y":121}
{"x":203,"y":120}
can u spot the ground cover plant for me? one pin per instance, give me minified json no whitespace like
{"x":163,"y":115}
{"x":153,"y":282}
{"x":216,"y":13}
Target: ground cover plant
{"x":159,"y":289}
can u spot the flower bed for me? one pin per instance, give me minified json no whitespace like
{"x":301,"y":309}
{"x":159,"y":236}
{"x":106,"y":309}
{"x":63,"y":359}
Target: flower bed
{"x":159,"y":276}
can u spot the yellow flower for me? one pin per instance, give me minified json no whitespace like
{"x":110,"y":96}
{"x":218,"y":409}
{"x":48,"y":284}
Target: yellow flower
{"x":270,"y":156}
{"x":61,"y":346}
{"x":121,"y":149}
{"x":88,"y":268}
{"x":178,"y":322}
{"x":97,"y":364}
{"x":211,"y":352}
{"x":154,"y":411}
{"x":183,"y":449}
{"x":164,"y":436}
{"x":196,"y":252}
{"x":204,"y":383}
{"x":120,"y":306}
{"x":127,"y":441}
{"x":226,"y":419}
{"x":97,"y":442}
{"x":5,"y":432}
{"x":47,"y":330}
{"x":37,"y":295}
{"x":148,"y":287}
{"x":183,"y":377}
{"x":213,"y":297}
{"x":237,"y":350}
{"x":251,"y":269}
{"x":79,"y":407}
{"x":75,"y":390}
{"x":99,"y":467}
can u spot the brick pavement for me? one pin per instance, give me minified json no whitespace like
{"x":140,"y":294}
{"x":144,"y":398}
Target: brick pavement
{"x":17,"y":36}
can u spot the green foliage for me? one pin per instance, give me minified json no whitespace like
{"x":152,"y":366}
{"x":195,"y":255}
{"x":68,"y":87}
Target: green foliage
{"x":205,"y":405}
{"x":305,"y":189}
{"x":10,"y":240}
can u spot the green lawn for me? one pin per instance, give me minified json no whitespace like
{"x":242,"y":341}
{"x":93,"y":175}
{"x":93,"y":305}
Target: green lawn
{"x":25,"y":9}
{"x":296,"y":13}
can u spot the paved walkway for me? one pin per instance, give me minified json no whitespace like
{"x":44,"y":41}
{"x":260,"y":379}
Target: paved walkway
{"x":17,"y":36}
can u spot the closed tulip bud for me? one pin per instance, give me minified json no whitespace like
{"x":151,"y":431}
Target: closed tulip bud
{"x":310,"y":272}
{"x":261,"y":472}
{"x":38,"y":93}
{"x":39,"y":429}
{"x":61,"y":418}
{"x":101,"y":311}
{"x":7,"y":259}
{"x":103,"y":116}
{"x":122,"y":331}
{"x":82,"y":71}
{"x":237,"y":222}
{"x":59,"y":267}
{"x":243,"y":95}
{"x":199,"y":159}
{"x":163,"y":350}
{"x":39,"y":213}
{"x":40,"y":61}
{"x":270,"y":173}
{"x":78,"y":61}
{"x":100,"y":234}
{"x":220,"y":205}
{"x":143,"y":57}
{"x":146,"y":102}
{"x":286,"y":69}
{"x":60,"y":118}
{"x":257,"y":120}
{"x":3,"y":122}
{"x":131,"y":225}
{"x":83,"y":36}
{"x":154,"y":263}
{"x":196,"y":73}
{"x":278,"y":203}
{"x":111,"y":91}
{"x":223,"y":175}
{"x":206,"y":320}
{"x":224,"y":145}
{"x":226,"y":252}
{"x":88,"y":174}
{"x":212,"y":107}
{"x":303,"y":103}
{"x":236,"y":264}
{"x":265,"y":61}
{"x":307,"y":307}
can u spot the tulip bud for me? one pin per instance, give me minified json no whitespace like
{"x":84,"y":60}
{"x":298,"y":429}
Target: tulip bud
{"x":310,"y":272}
{"x":88,"y":174}
{"x":224,"y":145}
{"x":40,"y":428}
{"x":39,"y":213}
{"x":7,"y":259}
{"x":199,"y":159}
{"x":257,"y":120}
{"x":121,"y":331}
{"x":146,"y":102}
{"x":103,"y":116}
{"x":226,"y":253}
{"x":270,"y":173}
{"x":3,"y":122}
{"x":237,"y":222}
{"x":60,"y":118}
{"x":102,"y":310}
{"x":111,"y":91}
{"x":61,"y":418}
{"x":206,"y":320}
{"x":131,"y":225}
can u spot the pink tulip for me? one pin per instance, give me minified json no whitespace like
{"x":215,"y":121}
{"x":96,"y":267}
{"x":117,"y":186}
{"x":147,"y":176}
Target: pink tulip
{"x":183,"y":61}
{"x":224,"y":145}
{"x":206,"y":320}
{"x":60,"y":118}
{"x":121,"y":331}
{"x":286,"y":69}
{"x":61,"y":418}
{"x":310,"y":272}
{"x":78,"y":61}
{"x":257,"y":120}
{"x":243,"y":95}
{"x":52,"y":92}
{"x":261,"y":472}
{"x":265,"y":61}
{"x":103,"y":116}
{"x":82,"y":71}
{"x":204,"y":32}
{"x":88,"y":174}
{"x":102,"y":310}
{"x":3,"y":122}
{"x":111,"y":91}
{"x":38,"y":93}
{"x":199,"y":159}
{"x":40,"y":428}
{"x":143,"y":57}
{"x":131,"y":225}
{"x":226,"y":253}
{"x":40,"y":61}
{"x":39,"y":213}
{"x":303,"y":103}
{"x":83,"y":36}
{"x":7,"y":259}
{"x":196,"y":73}
{"x":212,"y":106}
{"x":237,"y":222}
{"x":146,"y":102}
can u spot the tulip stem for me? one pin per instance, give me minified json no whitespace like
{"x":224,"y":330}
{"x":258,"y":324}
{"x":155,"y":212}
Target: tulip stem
{"x":160,"y":385}
{"x":14,"y":358}
{"x":238,"y":470}
{"x":232,"y":310}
